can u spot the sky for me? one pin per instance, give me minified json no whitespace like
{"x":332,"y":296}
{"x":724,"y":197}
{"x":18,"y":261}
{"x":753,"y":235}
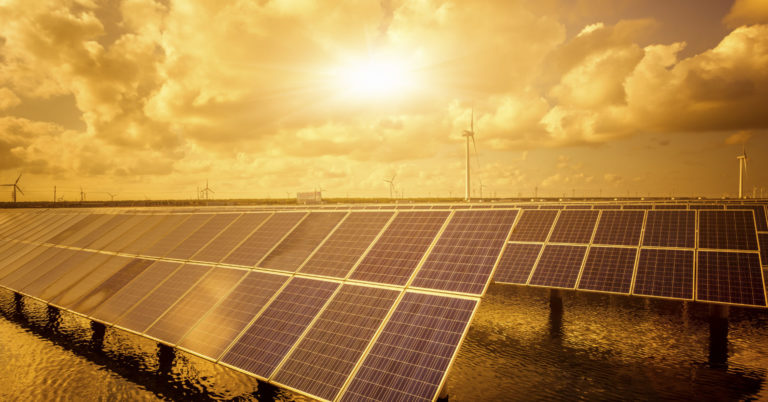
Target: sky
{"x":149,"y":99}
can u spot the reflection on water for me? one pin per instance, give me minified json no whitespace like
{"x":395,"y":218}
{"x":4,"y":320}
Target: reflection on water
{"x":522,"y":345}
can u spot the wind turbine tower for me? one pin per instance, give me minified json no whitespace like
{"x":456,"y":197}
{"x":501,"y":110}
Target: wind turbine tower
{"x":391,"y":185}
{"x":15,"y":186}
{"x":742,"y":171}
{"x":469,"y":133}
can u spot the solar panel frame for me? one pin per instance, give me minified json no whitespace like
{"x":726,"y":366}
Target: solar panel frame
{"x":398,"y":326}
{"x":727,"y":230}
{"x":534,"y":226}
{"x":515,"y":258}
{"x":467,"y":251}
{"x":298,"y":245}
{"x":574,"y":227}
{"x":263,"y":240}
{"x":616,"y":279}
{"x":549,"y":273}
{"x":681,"y":261}
{"x":683,"y":221}
{"x":722,"y":274}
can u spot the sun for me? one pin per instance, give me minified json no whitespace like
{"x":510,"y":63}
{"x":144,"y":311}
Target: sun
{"x":374,"y":77}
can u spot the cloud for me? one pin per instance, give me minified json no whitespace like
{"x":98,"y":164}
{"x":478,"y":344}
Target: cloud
{"x":8,"y":99}
{"x":740,"y":137}
{"x":747,"y":12}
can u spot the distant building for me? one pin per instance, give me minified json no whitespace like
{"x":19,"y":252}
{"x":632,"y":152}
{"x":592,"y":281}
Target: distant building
{"x":311,"y":197}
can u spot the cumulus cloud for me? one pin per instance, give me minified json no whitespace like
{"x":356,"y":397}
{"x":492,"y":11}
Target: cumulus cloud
{"x":8,"y":99}
{"x":747,"y":12}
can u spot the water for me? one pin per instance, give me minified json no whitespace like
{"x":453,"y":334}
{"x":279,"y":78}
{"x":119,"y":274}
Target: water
{"x":599,"y":347}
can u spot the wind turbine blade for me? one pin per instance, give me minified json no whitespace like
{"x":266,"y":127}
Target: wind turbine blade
{"x":19,"y":189}
{"x":17,"y":179}
{"x":472,"y":120}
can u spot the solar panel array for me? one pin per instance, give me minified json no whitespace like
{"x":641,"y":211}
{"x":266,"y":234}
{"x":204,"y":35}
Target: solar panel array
{"x":345,"y":303}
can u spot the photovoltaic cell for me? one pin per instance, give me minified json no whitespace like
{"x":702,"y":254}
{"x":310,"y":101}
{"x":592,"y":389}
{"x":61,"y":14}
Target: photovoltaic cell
{"x":176,"y":236}
{"x":516,"y":263}
{"x":409,"y":359}
{"x":130,"y":294}
{"x":398,"y":251}
{"x":558,"y":266}
{"x":33,"y":269}
{"x":670,"y":229}
{"x":299,"y":244}
{"x":57,"y":227}
{"x":728,"y":230}
{"x":156,"y":303}
{"x":608,"y":269}
{"x":216,"y":330}
{"x":346,"y":244}
{"x":619,"y":228}
{"x":20,"y":258}
{"x":159,"y":231}
{"x":665,"y":273}
{"x":264,"y":344}
{"x":763,"y":239}
{"x":100,"y":231}
{"x":201,"y":298}
{"x":111,"y":285}
{"x":227,"y":240}
{"x":77,"y":270}
{"x":574,"y":227}
{"x":760,"y":218}
{"x":91,"y":280}
{"x":329,"y":351}
{"x":201,"y":237}
{"x":533,"y":225}
{"x":730,"y":277}
{"x":463,"y":258}
{"x":253,"y":249}
{"x":132,"y":223}
{"x":39,"y":288}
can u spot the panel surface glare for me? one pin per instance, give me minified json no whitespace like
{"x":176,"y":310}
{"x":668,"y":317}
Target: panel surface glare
{"x":130,"y":294}
{"x":188,"y":310}
{"x":574,"y":227}
{"x":533,"y":225}
{"x":670,"y":228}
{"x":346,"y":244}
{"x":410,"y":357}
{"x":325,"y":357}
{"x":220,"y":327}
{"x":400,"y":248}
{"x":225,"y":242}
{"x":558,"y":266}
{"x":60,"y":268}
{"x":727,"y":230}
{"x":156,"y":303}
{"x":131,"y":224}
{"x":464,"y":256}
{"x":619,"y":228}
{"x":608,"y":269}
{"x":516,"y":263}
{"x":176,"y":236}
{"x":296,"y":247}
{"x":730,"y":278}
{"x":262,"y":346}
{"x":111,"y":285}
{"x":100,"y":231}
{"x":665,"y":273}
{"x":76,"y":271}
{"x":91,"y":280}
{"x":263,"y":239}
{"x":201,"y":236}
{"x":159,"y":231}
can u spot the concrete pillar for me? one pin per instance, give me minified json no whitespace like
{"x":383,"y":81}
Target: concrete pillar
{"x":443,"y":395}
{"x":54,"y":316}
{"x":165,"y":356}
{"x":97,"y":335}
{"x":555,"y":300}
{"x":18,"y":303}
{"x":718,"y":335}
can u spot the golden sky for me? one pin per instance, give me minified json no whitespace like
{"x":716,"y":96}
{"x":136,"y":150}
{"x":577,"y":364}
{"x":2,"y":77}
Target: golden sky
{"x":149,"y":98}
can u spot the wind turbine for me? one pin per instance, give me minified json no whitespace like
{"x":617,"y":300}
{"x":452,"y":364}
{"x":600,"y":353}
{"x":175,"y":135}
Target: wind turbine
{"x":82,"y":194}
{"x":112,"y":196}
{"x":391,"y":185}
{"x":742,"y":170}
{"x":15,"y":186}
{"x":206,"y":191}
{"x":470,"y":133}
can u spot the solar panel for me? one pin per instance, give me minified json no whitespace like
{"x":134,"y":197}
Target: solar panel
{"x":608,"y":269}
{"x":172,"y":326}
{"x":231,"y":237}
{"x":253,"y":249}
{"x":142,"y":315}
{"x":670,"y":229}
{"x":558,"y":266}
{"x":516,"y":263}
{"x":665,"y":273}
{"x":346,"y":244}
{"x":91,"y":280}
{"x":130,"y":294}
{"x":463,"y":258}
{"x":160,"y":230}
{"x":137,"y":231}
{"x":621,"y":228}
{"x":111,"y":285}
{"x":393,"y":257}
{"x":133,"y":223}
{"x":101,"y":230}
{"x":574,"y":227}
{"x":670,"y":206}
{"x":217,"y":329}
{"x":637,"y":206}
{"x":40,"y":224}
{"x":409,"y":359}
{"x":578,"y":206}
{"x":20,"y":258}
{"x":299,"y":244}
{"x":533,"y":225}
{"x":76,"y":270}
{"x":763,"y":240}
{"x":39,"y":288}
{"x":606,"y":206}
{"x":202,"y":236}
{"x":728,"y":230}
{"x":707,"y":206}
{"x":329,"y":351}
{"x":176,"y":236}
{"x":34,"y":268}
{"x":57,"y":226}
{"x":730,"y":277}
{"x":264,"y":344}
